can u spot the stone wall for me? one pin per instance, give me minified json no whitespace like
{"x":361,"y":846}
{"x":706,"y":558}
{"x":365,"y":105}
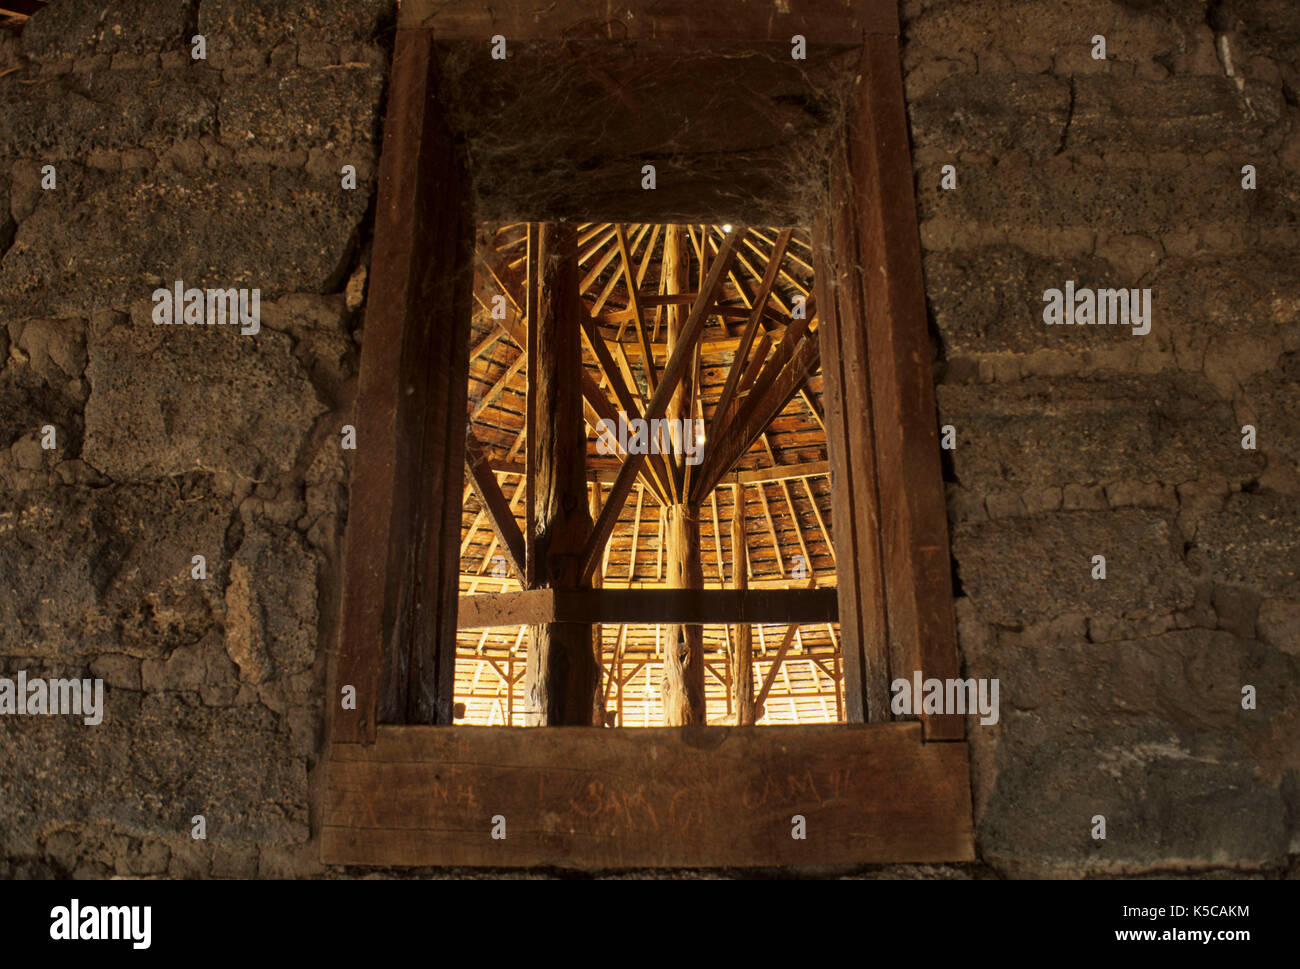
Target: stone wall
{"x":1120,"y":697}
{"x":222,"y":172}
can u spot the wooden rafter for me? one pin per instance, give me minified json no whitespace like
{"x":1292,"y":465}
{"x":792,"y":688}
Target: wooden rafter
{"x":771,"y":392}
{"x":672,"y":375}
{"x":485,"y":485}
{"x":751,"y":327}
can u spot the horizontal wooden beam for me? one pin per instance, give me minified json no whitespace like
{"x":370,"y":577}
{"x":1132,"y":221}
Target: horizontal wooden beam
{"x":487,"y":582}
{"x":699,"y":606}
{"x":786,"y":472}
{"x":589,"y":798}
{"x":824,"y":22}
{"x":606,"y":471}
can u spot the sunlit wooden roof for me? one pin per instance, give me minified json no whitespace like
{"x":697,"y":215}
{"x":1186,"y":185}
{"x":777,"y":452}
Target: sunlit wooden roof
{"x":786,"y":471}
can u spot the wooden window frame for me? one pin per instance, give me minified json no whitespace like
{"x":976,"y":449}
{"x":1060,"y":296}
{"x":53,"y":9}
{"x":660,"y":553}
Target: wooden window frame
{"x":403,"y":786}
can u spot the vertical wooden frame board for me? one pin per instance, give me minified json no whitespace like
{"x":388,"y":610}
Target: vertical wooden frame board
{"x":855,"y":500}
{"x":398,"y":629}
{"x":914,"y":523}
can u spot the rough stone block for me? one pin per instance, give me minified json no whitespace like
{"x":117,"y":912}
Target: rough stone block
{"x":1022,"y":570}
{"x":90,"y":570}
{"x":130,"y":26}
{"x":154,"y":762}
{"x":1016,"y":29}
{"x":41,"y":385}
{"x":265,"y":23}
{"x":1172,"y":798}
{"x":1254,"y":541}
{"x":1061,"y":193}
{"x":171,"y":399}
{"x":1275,"y":395}
{"x":271,"y":605}
{"x":1266,"y":28}
{"x":1166,"y":428}
{"x":1185,"y":114}
{"x":7,"y":224}
{"x":1188,"y":677}
{"x":990,"y":300}
{"x":69,"y":116}
{"x":1279,"y":624}
{"x":1222,"y":295}
{"x":269,"y":229}
{"x":303,"y":109}
{"x":992,"y":113}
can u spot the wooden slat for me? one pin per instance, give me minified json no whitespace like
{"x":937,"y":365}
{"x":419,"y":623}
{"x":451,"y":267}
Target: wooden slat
{"x":528,"y":341}
{"x":855,"y":502}
{"x":658,"y":468}
{"x":917,"y":560}
{"x":742,"y":676}
{"x":588,"y":798}
{"x":658,"y":606}
{"x":398,"y":631}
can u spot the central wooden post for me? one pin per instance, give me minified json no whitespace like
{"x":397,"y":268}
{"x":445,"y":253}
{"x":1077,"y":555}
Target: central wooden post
{"x":742,"y":677}
{"x":561,"y":678}
{"x":683,"y":689}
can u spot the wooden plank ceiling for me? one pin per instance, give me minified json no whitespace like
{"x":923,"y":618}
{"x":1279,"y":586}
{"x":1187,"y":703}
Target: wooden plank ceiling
{"x":785,"y":469}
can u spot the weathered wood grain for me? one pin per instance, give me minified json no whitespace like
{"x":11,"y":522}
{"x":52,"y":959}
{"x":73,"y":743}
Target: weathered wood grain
{"x":673,"y":796}
{"x":398,"y":628}
{"x":649,"y":606}
{"x":917,"y":559}
{"x":560,"y":684}
{"x":821,"y":21}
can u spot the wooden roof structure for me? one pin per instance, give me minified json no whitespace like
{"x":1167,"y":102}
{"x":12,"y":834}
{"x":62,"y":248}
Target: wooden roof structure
{"x":784,"y":469}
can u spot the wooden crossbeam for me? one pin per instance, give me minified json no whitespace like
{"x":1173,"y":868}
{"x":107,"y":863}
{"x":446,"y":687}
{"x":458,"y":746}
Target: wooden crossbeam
{"x":597,"y":408}
{"x":658,"y":606}
{"x":870,"y":794}
{"x":607,"y":471}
